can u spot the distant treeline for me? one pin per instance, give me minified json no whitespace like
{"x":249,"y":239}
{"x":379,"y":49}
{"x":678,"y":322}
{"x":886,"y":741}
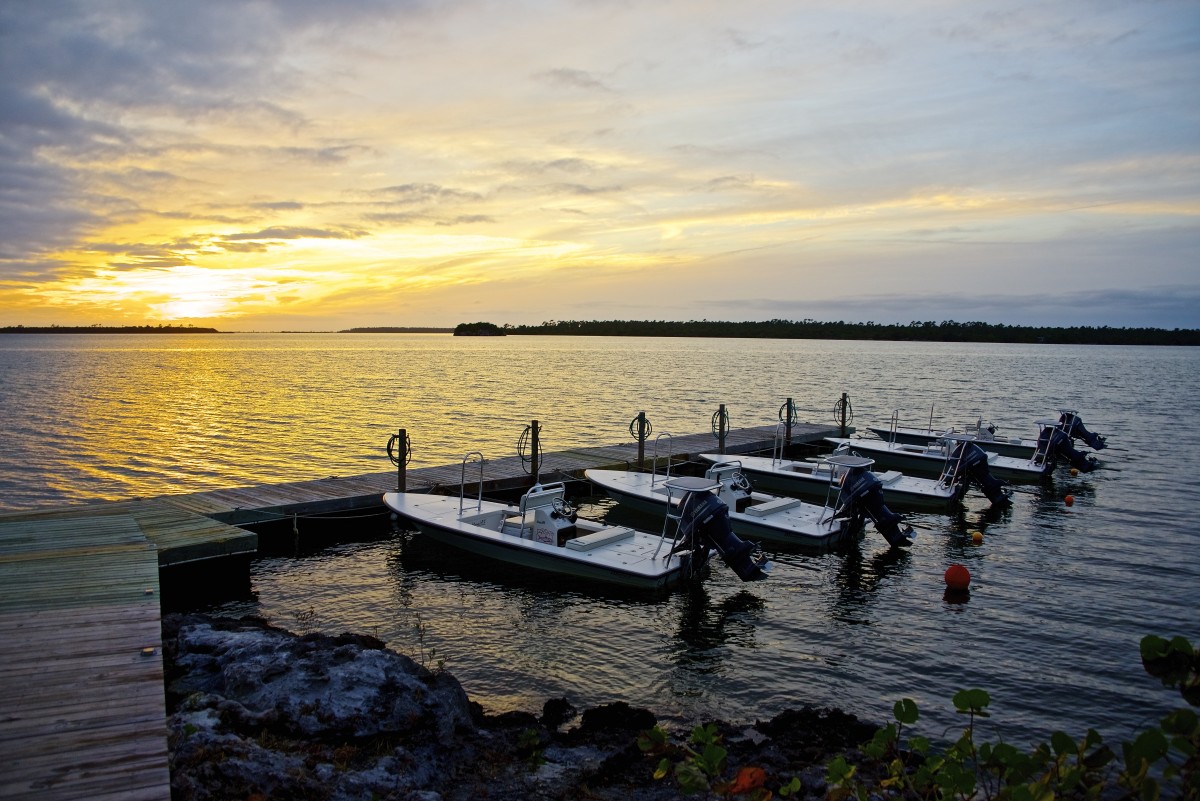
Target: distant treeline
{"x":106,"y":329}
{"x":947,"y":331}
{"x":395,"y":330}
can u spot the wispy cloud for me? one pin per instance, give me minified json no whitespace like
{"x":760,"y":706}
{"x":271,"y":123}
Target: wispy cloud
{"x":820,"y":154}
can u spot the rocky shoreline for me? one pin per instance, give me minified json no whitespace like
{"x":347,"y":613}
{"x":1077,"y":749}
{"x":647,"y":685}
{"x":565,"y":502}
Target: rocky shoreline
{"x":258,"y":712}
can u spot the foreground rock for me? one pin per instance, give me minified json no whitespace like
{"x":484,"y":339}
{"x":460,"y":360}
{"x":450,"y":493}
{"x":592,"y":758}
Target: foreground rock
{"x":258,"y":712}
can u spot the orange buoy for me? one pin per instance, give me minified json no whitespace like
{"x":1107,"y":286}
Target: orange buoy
{"x":958,"y":577}
{"x":1074,"y":471}
{"x":1069,"y":500}
{"x":976,"y":537}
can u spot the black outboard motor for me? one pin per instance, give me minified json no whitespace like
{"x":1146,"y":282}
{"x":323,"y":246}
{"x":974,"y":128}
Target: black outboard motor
{"x":704,"y":516}
{"x":862,"y":494}
{"x":973,"y":464}
{"x":1071,"y":423}
{"x":1055,"y":443}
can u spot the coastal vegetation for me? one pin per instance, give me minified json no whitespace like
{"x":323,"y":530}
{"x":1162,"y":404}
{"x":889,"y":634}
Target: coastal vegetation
{"x":479,"y":330}
{"x":928,"y":331}
{"x":106,"y":329}
{"x":1162,"y":761}
{"x":916,"y":331}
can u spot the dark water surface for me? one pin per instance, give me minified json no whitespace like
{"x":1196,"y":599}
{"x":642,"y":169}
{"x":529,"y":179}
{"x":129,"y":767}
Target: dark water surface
{"x":1060,"y":595}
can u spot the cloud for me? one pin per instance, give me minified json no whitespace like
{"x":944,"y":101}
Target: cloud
{"x":1154,"y":307}
{"x":573,"y":79}
{"x":282,"y":232}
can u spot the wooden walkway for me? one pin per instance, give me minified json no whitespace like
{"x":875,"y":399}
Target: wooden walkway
{"x":82,"y":705}
{"x":82,"y":711}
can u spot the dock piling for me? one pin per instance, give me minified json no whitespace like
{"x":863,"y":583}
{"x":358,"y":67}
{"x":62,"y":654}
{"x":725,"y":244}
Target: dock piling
{"x":399,"y":450}
{"x":721,"y":428}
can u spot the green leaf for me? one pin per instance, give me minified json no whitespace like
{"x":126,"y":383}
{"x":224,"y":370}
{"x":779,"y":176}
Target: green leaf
{"x":972,"y":701}
{"x":691,"y":779}
{"x":1182,"y":721}
{"x":712,"y":760}
{"x":1062,"y":744}
{"x":1153,"y":647}
{"x":839,"y":771}
{"x":905,"y":711}
{"x":703,"y":735}
{"x":1151,"y":745}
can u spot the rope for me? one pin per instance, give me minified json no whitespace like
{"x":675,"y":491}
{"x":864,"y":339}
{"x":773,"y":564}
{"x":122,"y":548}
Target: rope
{"x":843,"y":403}
{"x":523,"y":445}
{"x":720,"y":416}
{"x":393,"y":451}
{"x":633,"y":428}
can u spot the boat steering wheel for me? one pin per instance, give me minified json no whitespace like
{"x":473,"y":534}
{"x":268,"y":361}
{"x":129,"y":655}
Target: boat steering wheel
{"x":564,"y":509}
{"x":741,"y":481}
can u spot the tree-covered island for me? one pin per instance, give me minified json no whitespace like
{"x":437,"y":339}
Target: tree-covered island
{"x":947,"y":331}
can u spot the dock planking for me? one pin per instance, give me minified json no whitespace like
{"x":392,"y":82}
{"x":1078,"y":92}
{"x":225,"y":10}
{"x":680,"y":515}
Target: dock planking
{"x":82,"y":709}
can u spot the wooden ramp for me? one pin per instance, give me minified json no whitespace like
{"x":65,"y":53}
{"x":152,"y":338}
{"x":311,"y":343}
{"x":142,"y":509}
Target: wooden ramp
{"x":82,"y":709}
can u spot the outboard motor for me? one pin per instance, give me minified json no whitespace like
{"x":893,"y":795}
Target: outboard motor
{"x":703,"y":517}
{"x":1055,"y":443}
{"x":973,"y":463}
{"x":862,"y":494}
{"x":1070,"y":423}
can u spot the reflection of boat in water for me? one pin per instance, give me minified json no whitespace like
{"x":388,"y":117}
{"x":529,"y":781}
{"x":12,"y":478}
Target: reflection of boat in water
{"x":783,"y":520}
{"x":543,"y":532}
{"x":986,"y":436}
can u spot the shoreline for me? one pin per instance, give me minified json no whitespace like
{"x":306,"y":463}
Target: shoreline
{"x":253,"y":708}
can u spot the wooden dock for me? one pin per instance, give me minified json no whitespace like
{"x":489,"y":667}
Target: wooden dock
{"x":82,"y":702}
{"x":82,"y":711}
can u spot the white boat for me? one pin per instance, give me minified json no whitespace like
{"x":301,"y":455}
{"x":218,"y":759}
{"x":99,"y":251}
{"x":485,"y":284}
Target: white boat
{"x":820,"y":479}
{"x":943,"y":458}
{"x":986,"y":435}
{"x":772,"y":518}
{"x":543,"y":532}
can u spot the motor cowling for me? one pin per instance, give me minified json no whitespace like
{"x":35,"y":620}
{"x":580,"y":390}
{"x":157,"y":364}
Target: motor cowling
{"x":973,"y":464}
{"x":862,"y":495}
{"x":704,"y":518}
{"x":1057,"y":445}
{"x":1074,"y":428}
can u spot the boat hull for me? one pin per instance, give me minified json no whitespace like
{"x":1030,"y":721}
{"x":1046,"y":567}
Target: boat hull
{"x":807,"y":480}
{"x":1015,"y":447}
{"x":636,"y":562}
{"x":922,"y":460}
{"x":803,"y":524}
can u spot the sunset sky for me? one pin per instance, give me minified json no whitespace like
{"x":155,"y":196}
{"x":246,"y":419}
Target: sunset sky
{"x":316,"y":165}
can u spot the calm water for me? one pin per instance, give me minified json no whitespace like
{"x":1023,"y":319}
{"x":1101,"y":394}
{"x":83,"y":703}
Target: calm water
{"x":1060,"y":595}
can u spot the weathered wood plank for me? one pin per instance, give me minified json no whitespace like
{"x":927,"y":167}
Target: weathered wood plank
{"x":82,"y":709}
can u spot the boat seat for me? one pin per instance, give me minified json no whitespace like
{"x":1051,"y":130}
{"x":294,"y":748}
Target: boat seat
{"x":605,"y":536}
{"x":771,"y":506}
{"x":890,"y":477}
